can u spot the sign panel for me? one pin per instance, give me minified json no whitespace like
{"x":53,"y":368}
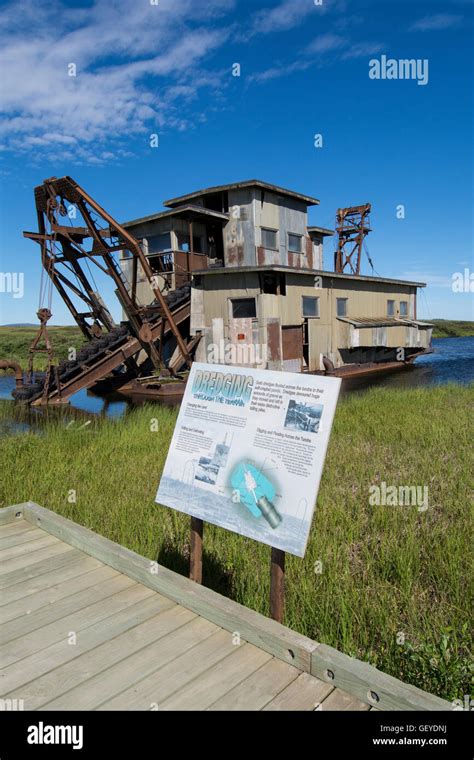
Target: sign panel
{"x":248,"y":450}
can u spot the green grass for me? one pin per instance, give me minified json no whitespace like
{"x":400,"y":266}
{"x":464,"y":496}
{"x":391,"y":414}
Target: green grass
{"x":447,"y":328}
{"x":394,"y":588}
{"x":15,"y":341}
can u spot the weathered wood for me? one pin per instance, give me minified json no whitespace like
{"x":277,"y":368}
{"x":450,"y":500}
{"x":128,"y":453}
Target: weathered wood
{"x":277,"y":584}
{"x":268,"y":634}
{"x":32,"y":585}
{"x":306,"y":693}
{"x":131,"y":670}
{"x":16,"y":527}
{"x":76,"y":674}
{"x":60,"y":629}
{"x":258,"y":689}
{"x":34,"y":678}
{"x":20,"y":537}
{"x":204,"y":689}
{"x":110,"y":583}
{"x":135,"y":648}
{"x":25,"y":550}
{"x":22,"y":562}
{"x":11,"y":514}
{"x":39,"y":568}
{"x":195,"y":555}
{"x":174,"y":673}
{"x":363,"y":680}
{"x":342,"y":701}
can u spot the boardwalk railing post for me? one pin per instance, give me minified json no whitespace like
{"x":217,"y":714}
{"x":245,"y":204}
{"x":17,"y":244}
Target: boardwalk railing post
{"x":277,"y":585}
{"x":195,"y":559}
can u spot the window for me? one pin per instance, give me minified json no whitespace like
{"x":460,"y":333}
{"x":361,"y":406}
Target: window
{"x":341,"y":307}
{"x":244,"y":307}
{"x":273,"y":284}
{"x":310,"y":306}
{"x":159,"y":243}
{"x":294,"y":243}
{"x":183,"y":243}
{"x":269,"y":238}
{"x":404,"y":308}
{"x":390,"y":308}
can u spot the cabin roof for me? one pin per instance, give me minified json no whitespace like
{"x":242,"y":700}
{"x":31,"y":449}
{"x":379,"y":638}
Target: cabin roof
{"x":361,"y":322}
{"x":324,"y":231}
{"x":309,"y":200}
{"x":187,"y":210}
{"x":229,"y":271}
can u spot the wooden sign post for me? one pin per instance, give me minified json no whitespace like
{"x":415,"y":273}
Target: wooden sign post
{"x":277,"y":569}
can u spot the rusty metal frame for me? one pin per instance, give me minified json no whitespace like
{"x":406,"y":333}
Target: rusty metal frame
{"x":352,"y":226}
{"x":63,"y":253}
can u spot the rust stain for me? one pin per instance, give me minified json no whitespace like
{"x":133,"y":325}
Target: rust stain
{"x":273,"y":340}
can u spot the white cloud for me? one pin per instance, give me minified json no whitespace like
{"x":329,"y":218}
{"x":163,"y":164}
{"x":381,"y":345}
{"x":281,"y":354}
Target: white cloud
{"x":288,"y":14}
{"x":325,"y":43}
{"x":136,"y":64}
{"x":436,"y":22}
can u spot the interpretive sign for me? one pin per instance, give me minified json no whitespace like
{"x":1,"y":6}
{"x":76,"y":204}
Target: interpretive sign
{"x":248,"y":451}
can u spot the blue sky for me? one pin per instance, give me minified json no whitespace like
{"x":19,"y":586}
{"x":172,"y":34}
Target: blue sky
{"x":304,"y":70}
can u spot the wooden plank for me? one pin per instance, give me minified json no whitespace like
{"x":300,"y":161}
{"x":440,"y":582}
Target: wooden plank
{"x":39,"y":568}
{"x":62,"y":608}
{"x":341,"y":700}
{"x":11,"y":514}
{"x":35,"y":676}
{"x":362,"y":680}
{"x":14,"y":528}
{"x":45,"y":601}
{"x":77,"y":675}
{"x":35,"y":585}
{"x":305,"y":693}
{"x":112,"y":681}
{"x":259,"y":688}
{"x":20,"y":563}
{"x":24,"y":550}
{"x":60,"y":629}
{"x":209,"y":686}
{"x":178,"y":670}
{"x":20,"y":537}
{"x":265,"y":633}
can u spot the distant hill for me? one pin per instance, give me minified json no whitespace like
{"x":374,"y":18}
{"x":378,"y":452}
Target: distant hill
{"x":452,"y":328}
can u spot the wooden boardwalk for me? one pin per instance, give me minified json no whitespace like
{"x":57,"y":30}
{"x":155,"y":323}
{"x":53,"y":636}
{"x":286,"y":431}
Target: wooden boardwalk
{"x":83,"y":627}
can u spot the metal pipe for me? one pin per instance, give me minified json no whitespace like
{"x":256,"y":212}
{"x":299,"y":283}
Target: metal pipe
{"x":7,"y":364}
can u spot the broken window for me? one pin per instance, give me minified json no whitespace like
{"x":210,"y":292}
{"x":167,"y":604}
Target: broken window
{"x":294,"y":243}
{"x":269,"y":238}
{"x":183,"y":243}
{"x":159,"y":243}
{"x":244,"y":308}
{"x":390,"y":308}
{"x":341,"y":307}
{"x":310,"y":306}
{"x":273,"y":284}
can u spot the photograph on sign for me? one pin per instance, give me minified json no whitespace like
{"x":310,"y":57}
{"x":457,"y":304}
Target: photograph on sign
{"x":248,"y":451}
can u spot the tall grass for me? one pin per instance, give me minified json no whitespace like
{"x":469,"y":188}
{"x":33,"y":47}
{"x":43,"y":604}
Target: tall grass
{"x":394,"y":582}
{"x":15,"y":342}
